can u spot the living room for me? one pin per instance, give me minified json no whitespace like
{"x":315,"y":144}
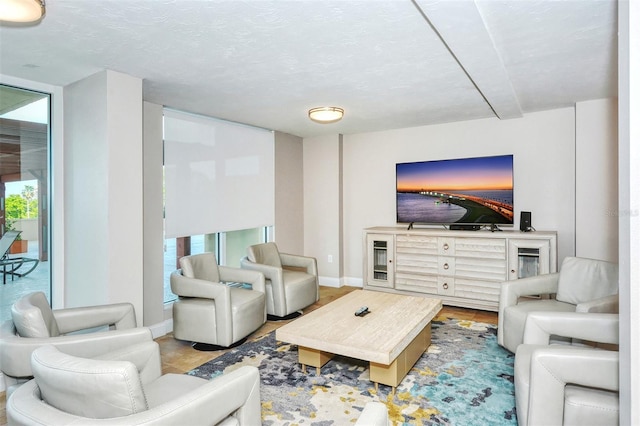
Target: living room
{"x":329,"y":188}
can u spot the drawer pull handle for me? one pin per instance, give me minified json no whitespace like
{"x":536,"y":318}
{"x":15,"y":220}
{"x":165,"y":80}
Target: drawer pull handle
{"x":445,"y":246}
{"x":445,"y":286}
{"x":446,"y":266}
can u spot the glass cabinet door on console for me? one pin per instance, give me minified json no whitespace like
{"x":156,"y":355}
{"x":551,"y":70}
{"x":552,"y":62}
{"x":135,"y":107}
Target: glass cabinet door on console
{"x":380,"y":268}
{"x":528,"y":258}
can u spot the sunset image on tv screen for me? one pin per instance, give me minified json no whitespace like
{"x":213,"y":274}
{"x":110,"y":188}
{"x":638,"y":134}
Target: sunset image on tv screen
{"x":467,"y":190}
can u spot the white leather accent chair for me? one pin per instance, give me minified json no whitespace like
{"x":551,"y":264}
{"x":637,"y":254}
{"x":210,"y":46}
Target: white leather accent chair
{"x":582,"y":285}
{"x":211,"y":313}
{"x":35,"y":324}
{"x":559,"y":384}
{"x":291,"y":280}
{"x":126,"y":388}
{"x":374,"y":414}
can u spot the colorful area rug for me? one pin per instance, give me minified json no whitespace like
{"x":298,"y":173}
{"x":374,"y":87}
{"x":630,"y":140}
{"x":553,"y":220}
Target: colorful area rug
{"x":464,"y":378}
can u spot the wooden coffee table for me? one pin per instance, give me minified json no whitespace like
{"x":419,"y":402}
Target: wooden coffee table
{"x":391,"y":337}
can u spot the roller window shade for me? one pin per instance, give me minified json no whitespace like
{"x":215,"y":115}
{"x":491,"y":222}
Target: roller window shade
{"x":219,"y":175}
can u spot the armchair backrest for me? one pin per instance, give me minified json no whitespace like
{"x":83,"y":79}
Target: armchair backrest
{"x":582,"y":280}
{"x":265,"y":254}
{"x":203,"y":266}
{"x":32,"y":316}
{"x":89,"y":388}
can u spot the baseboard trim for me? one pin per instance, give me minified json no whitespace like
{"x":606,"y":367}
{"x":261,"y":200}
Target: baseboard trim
{"x":353,"y":282}
{"x":161,"y":329}
{"x":340,"y":282}
{"x":329,"y":282}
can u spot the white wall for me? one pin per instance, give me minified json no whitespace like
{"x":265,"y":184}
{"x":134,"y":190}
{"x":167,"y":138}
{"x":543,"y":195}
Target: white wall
{"x":596,"y":178}
{"x":544,"y":182}
{"x":103,"y":191}
{"x":85,"y":184}
{"x":629,"y":208}
{"x":322,"y":215}
{"x":289,"y":195}
{"x":153,"y":224}
{"x":29,"y":228}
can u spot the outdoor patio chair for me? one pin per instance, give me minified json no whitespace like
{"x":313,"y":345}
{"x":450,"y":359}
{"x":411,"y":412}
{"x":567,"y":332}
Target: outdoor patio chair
{"x":10,"y":265}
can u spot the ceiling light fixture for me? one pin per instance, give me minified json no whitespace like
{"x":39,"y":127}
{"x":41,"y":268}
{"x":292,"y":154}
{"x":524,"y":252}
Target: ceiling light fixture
{"x":326,"y":115}
{"x":22,"y":11}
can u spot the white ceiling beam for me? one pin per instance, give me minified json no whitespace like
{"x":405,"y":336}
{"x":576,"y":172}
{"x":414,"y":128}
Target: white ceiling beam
{"x":461,"y":28}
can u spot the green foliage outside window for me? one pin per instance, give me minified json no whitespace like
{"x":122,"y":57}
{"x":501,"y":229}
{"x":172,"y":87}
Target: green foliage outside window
{"x":17,"y":207}
{"x":23,"y":206}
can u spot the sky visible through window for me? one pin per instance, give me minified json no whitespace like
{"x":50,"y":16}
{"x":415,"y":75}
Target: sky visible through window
{"x":16,"y":188}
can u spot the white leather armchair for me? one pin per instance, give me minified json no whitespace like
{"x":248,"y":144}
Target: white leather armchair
{"x":558,"y":384}
{"x":35,"y":324}
{"x":374,"y":414}
{"x":126,"y":388}
{"x":211,"y":313}
{"x":582,"y":285}
{"x":291,"y":280}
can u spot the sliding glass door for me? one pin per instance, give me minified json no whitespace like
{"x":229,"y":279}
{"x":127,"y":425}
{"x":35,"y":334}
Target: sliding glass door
{"x":24,"y":194}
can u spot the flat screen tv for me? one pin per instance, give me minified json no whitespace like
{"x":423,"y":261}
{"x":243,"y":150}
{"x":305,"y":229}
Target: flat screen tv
{"x":464,"y":191}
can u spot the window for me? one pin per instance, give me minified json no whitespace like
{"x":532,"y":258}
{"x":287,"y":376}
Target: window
{"x":24,"y":189}
{"x":229,"y":248}
{"x":218,"y":189}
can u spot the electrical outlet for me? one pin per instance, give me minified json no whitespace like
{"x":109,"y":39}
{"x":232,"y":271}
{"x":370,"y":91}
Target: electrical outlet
{"x":330,"y":258}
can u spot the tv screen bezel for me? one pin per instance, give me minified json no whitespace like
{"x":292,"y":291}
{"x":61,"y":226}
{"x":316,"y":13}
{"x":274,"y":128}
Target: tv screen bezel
{"x":462,"y":223}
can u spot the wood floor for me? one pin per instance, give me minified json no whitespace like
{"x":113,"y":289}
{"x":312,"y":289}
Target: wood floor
{"x":180,"y":357}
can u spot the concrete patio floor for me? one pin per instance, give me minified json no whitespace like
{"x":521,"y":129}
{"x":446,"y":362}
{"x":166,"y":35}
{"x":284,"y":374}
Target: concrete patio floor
{"x":37,"y":280}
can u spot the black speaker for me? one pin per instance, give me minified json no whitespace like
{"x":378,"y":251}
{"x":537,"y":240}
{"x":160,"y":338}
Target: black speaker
{"x":525,"y":221}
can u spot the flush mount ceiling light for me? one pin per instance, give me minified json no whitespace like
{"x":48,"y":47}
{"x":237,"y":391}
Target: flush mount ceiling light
{"x":326,"y":115}
{"x":21,"y":11}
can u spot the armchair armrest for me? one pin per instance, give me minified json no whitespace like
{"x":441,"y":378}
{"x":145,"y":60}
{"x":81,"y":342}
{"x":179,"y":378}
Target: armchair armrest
{"x":194,"y":287}
{"x":15,"y":351}
{"x":596,"y":327}
{"x":255,"y":278}
{"x":309,"y":263}
{"x":272,"y":273}
{"x":234,"y":393}
{"x":553,"y":368}
{"x":607,"y":304}
{"x":510,"y":291}
{"x":145,"y":356}
{"x":120,"y":315}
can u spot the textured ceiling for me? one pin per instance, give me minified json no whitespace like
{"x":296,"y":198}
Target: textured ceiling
{"x":388,"y":63}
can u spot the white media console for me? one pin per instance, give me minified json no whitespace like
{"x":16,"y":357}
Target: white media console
{"x":463,"y":268}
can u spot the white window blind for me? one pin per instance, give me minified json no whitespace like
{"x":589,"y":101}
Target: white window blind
{"x":219,"y":175}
